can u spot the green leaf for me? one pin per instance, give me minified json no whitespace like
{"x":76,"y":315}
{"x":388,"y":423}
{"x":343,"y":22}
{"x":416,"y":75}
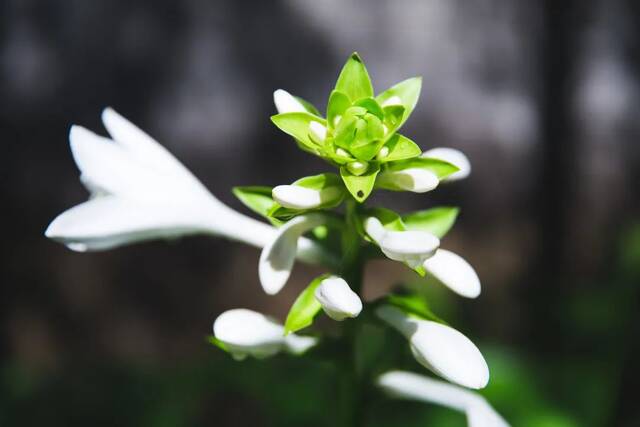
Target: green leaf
{"x":337,"y":105}
{"x":319,"y":182}
{"x":297,"y":126}
{"x":414,"y":305}
{"x":439,"y":167}
{"x":256,"y":198}
{"x":437,"y":221}
{"x":304,"y":308}
{"x":372,"y":107}
{"x":389,"y":219}
{"x":400,"y":148}
{"x":308,"y":106}
{"x":354,"y":79}
{"x":360,"y":186}
{"x":408,"y":91}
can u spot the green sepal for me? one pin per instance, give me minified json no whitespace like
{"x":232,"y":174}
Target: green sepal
{"x":372,"y":107}
{"x":297,"y":126}
{"x":408,"y":91}
{"x":215,"y":341}
{"x":308,"y":106}
{"x":337,"y":105}
{"x":258,"y":199}
{"x":354,"y":79}
{"x":400,"y":148}
{"x":437,"y":221}
{"x":414,"y":305}
{"x":360,"y":186}
{"x":304,"y":308}
{"x":388,"y":218}
{"x":441,"y":168}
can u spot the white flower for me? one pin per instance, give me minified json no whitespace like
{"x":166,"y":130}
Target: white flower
{"x":318,"y":132}
{"x":440,"y":348}
{"x":249,"y":333}
{"x":454,"y":272}
{"x":453,"y":156}
{"x":287,"y":103}
{"x":412,"y":247}
{"x":407,"y":385}
{"x":278,"y":255}
{"x":298,"y":197}
{"x":337,"y":299}
{"x":141,"y":192}
{"x":417,"y":180}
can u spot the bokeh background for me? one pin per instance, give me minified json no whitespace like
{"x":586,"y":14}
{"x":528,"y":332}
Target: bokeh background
{"x":542,"y":96}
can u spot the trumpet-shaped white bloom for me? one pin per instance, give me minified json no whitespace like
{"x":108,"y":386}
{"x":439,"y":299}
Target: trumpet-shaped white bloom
{"x":287,"y":103}
{"x":454,"y":272}
{"x":337,"y":299}
{"x":249,"y":333}
{"x":278,"y":255}
{"x":453,"y":156}
{"x":298,"y":197}
{"x":412,"y":247}
{"x":407,"y":385}
{"x":141,"y":192}
{"x":416,"y":180}
{"x":440,"y":348}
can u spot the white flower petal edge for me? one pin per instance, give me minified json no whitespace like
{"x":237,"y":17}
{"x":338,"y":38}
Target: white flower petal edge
{"x":297,"y":197}
{"x":337,"y":299}
{"x":416,"y":180}
{"x":453,"y":156}
{"x":141,"y":192}
{"x":278,"y":255}
{"x":407,"y":385}
{"x":249,"y":333}
{"x":412,"y":247}
{"x":454,"y":272}
{"x":440,"y":348}
{"x":286,"y":103}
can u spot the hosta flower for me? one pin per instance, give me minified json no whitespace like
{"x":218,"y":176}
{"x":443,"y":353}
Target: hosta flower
{"x":440,"y":348}
{"x":454,"y":272}
{"x":411,"y":247}
{"x":139,"y":191}
{"x":245,"y":333}
{"x":337,"y":299}
{"x":278,"y":255}
{"x":407,"y":385}
{"x":453,"y":156}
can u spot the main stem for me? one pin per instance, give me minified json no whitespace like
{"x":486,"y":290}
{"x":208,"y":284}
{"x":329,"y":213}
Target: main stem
{"x":352,"y":384}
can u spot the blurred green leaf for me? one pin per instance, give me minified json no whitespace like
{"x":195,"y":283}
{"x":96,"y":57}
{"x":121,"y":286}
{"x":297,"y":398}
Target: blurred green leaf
{"x":304,"y":308}
{"x":437,"y":221}
{"x":408,"y":91}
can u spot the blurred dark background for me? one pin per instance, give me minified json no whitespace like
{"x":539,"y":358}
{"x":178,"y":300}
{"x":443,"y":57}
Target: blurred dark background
{"x":542,"y":97}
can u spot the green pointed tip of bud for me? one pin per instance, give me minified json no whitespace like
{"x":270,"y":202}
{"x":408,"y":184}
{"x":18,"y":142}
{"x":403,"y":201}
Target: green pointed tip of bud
{"x":356,"y":57}
{"x":358,"y":168}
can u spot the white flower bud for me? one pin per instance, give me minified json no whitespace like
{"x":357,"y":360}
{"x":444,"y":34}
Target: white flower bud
{"x":453,"y":156}
{"x":249,"y":333}
{"x":384,"y":152}
{"x":342,"y":153}
{"x":440,"y":348}
{"x":394,"y":100}
{"x":412,"y":247}
{"x":286,"y":103}
{"x":337,"y":299}
{"x":417,"y":180}
{"x":357,"y":167}
{"x":297,"y":197}
{"x":318,"y":132}
{"x":453,"y":272}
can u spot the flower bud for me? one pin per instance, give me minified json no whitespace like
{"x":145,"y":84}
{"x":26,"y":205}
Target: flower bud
{"x":297,"y":197}
{"x":286,"y":103}
{"x":453,"y":156}
{"x":249,"y":333}
{"x":412,"y":247}
{"x":357,"y":168}
{"x":440,"y":348}
{"x":337,"y":299}
{"x":394,"y":100}
{"x":318,"y":132}
{"x":417,"y":180}
{"x":454,"y":272}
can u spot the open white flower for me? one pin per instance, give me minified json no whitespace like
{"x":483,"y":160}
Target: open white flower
{"x":287,"y":103}
{"x":453,"y":156}
{"x":454,"y":272}
{"x":407,"y":385}
{"x":278,"y":255}
{"x":298,"y":197}
{"x":412,"y":247}
{"x":141,"y":192}
{"x":417,"y":180}
{"x":440,"y":348}
{"x":249,"y":333}
{"x":337,"y":299}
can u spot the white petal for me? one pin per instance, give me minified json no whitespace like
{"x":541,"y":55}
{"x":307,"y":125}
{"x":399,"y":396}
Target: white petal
{"x":412,"y":247}
{"x":318,"y":131}
{"x":337,"y":299}
{"x":296,"y":344}
{"x":286,"y":103}
{"x":407,"y":385}
{"x":453,"y":156}
{"x":454,"y":272}
{"x":417,"y":180}
{"x":107,"y":222}
{"x":394,"y":100}
{"x":440,"y":348}
{"x":297,"y":197}
{"x":277,"y":257}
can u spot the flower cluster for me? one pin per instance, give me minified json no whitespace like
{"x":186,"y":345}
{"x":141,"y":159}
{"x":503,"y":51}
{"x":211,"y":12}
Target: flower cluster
{"x":139,"y":191}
